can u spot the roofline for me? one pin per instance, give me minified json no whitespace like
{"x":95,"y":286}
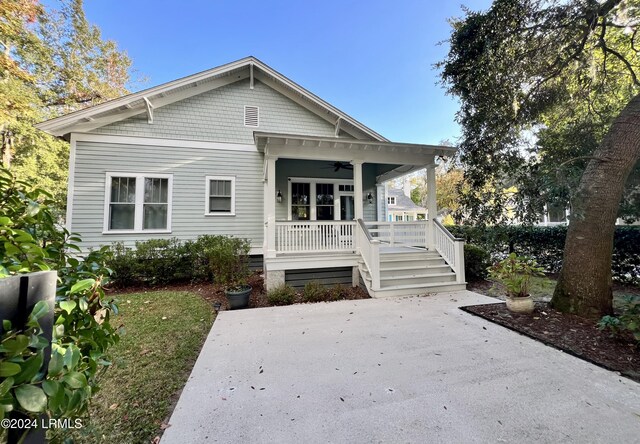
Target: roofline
{"x":69,"y":119}
{"x":444,"y":149}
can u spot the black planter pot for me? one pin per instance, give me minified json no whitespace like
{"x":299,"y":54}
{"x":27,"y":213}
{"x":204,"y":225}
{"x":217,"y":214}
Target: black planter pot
{"x":238,"y":298}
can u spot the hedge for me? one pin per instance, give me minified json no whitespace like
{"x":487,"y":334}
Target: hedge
{"x":546,"y":245}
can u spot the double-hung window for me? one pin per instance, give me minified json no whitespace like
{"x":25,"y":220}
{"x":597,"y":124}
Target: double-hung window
{"x":138,"y":202}
{"x":220,"y":196}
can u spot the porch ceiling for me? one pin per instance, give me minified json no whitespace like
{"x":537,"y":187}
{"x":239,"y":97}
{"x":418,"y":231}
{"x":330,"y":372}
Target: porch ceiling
{"x":341,"y":149}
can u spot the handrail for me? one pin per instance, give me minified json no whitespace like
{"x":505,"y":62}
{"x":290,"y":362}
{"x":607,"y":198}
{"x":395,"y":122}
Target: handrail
{"x":366,"y":231}
{"x":447,"y":232}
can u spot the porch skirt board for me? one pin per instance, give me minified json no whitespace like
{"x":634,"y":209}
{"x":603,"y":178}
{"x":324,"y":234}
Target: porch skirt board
{"x":325,"y":276}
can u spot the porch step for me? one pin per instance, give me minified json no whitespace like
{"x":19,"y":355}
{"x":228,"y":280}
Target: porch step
{"x":416,"y":290}
{"x":417,"y":269}
{"x":392,"y":281}
{"x":400,"y":262}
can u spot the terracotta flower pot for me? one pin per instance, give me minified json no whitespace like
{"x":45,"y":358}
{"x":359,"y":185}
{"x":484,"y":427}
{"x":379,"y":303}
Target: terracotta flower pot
{"x":520,"y":305}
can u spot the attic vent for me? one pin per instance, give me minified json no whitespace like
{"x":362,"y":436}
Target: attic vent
{"x":251,"y":116}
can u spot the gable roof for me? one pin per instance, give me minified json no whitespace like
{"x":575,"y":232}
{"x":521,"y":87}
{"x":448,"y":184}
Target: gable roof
{"x":403,"y":203}
{"x":147,"y":100}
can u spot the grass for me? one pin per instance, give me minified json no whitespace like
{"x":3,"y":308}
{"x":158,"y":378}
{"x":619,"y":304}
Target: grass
{"x":164,"y":333}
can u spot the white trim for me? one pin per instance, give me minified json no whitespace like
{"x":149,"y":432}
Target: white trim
{"x":207,"y":179}
{"x":257,"y":108}
{"x":164,"y":94}
{"x":175,"y":143}
{"x":71,"y":181}
{"x":312,"y":181}
{"x":139,"y":203}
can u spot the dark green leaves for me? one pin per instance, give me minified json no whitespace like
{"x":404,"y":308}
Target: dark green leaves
{"x":31,"y":398}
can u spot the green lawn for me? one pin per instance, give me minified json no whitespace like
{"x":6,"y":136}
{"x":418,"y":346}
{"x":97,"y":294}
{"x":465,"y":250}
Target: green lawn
{"x":164,"y":333}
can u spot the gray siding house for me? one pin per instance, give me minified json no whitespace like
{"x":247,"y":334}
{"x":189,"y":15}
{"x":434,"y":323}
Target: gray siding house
{"x":242,"y":150}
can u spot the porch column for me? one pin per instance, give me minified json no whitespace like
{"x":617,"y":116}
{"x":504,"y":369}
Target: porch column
{"x":432,"y":206}
{"x":357,"y":189}
{"x":270,"y":207}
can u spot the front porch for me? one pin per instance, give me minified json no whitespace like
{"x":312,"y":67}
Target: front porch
{"x":324,"y":207}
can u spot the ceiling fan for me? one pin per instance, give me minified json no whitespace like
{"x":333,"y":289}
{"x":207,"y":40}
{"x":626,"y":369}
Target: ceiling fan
{"x":339,"y":165}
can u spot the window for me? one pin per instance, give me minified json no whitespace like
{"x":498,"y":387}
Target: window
{"x":391,"y":200}
{"x":300,"y":202}
{"x":138,"y":202}
{"x":345,"y":187}
{"x":324,"y":201}
{"x":220,"y":196}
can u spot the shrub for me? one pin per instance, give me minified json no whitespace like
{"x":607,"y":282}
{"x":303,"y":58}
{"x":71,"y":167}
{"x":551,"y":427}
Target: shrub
{"x":313,"y":292}
{"x":629,"y":319}
{"x":228,"y":260}
{"x":514,"y":274}
{"x":282,"y":295}
{"x":546,"y":246}
{"x":31,"y":240}
{"x":476,"y":262}
{"x":166,"y":261}
{"x":337,"y":292}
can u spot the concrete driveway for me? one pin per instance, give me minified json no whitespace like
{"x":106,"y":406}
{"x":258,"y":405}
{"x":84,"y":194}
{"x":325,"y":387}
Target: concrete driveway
{"x":394,"y":370}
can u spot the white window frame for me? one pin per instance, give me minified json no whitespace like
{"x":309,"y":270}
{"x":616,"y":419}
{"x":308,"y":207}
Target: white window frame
{"x":391,"y":200}
{"x":207,"y":191}
{"x":139,"y":203}
{"x":312,"y":181}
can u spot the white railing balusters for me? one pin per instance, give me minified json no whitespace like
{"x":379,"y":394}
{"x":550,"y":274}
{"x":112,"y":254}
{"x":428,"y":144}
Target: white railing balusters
{"x":370,"y":253}
{"x":451,"y":249}
{"x":411,"y":234}
{"x":314,"y":236}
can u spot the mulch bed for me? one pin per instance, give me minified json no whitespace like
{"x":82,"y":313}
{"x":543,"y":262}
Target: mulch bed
{"x":569,"y":333}
{"x":215,"y":293}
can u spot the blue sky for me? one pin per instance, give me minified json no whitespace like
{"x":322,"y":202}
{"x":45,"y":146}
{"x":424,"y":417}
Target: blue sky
{"x":372,"y":59}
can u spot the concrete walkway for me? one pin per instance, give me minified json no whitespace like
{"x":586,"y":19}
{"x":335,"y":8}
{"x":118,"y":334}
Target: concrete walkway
{"x":394,"y":370}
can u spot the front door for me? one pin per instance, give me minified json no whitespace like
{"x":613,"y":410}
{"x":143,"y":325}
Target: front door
{"x":346,"y":207}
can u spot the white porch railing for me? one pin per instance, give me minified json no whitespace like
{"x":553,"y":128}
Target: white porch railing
{"x":451,"y":249}
{"x":412,"y":234}
{"x":315,"y":236}
{"x":370,"y":253}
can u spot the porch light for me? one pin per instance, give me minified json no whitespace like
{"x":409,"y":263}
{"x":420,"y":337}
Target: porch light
{"x":279,"y":197}
{"x":370,"y":198}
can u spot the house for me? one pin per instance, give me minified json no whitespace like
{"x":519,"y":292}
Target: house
{"x":400,"y":207}
{"x":242,"y":150}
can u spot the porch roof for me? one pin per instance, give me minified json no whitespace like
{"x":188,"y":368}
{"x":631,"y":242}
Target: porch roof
{"x":408,"y":156}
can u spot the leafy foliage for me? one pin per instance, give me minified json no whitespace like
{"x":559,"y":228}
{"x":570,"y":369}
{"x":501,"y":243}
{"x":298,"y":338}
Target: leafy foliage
{"x":30,"y":240}
{"x":545,"y":244}
{"x":51,"y":62}
{"x":282,"y":295}
{"x":165,"y":261}
{"x":540,"y":83}
{"x":313,"y":292}
{"x":627,"y":321}
{"x":476,"y":262}
{"x":514,"y":274}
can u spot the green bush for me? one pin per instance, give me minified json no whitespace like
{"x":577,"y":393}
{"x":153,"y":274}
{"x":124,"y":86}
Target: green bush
{"x":31,"y":240}
{"x":314,"y":292}
{"x":476,"y":262}
{"x":336,"y":292}
{"x":167,"y":261}
{"x":282,"y":295}
{"x":546,"y":246}
{"x":628,"y":320}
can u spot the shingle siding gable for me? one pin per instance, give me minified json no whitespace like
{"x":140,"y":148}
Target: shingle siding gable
{"x":218,"y":115}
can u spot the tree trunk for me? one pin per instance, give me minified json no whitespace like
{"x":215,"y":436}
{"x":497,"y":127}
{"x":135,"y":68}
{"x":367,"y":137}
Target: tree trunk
{"x":584,"y":284}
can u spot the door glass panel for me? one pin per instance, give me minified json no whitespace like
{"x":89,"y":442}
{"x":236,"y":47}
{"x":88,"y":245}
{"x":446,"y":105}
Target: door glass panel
{"x":324,"y":201}
{"x":346,"y":208}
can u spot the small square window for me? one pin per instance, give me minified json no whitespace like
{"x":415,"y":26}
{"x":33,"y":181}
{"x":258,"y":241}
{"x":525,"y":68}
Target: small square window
{"x":220,"y":195}
{"x":391,"y":200}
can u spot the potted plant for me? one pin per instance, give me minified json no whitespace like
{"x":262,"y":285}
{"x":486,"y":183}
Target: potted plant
{"x":514,"y":274}
{"x":229,"y":262}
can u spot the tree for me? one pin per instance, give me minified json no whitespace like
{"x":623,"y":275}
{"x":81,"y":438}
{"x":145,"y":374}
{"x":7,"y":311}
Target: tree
{"x":449,"y":179}
{"x":515,"y":67}
{"x":52,"y":62}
